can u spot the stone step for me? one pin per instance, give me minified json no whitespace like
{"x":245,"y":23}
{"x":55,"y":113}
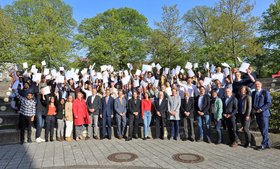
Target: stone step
{"x":256,"y":136}
{"x":9,"y":120}
{"x":9,"y":136}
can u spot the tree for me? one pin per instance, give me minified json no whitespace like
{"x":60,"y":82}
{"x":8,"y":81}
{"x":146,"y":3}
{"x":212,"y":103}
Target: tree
{"x":45,"y":30}
{"x":115,"y":37}
{"x":203,"y":45}
{"x":269,"y":29}
{"x":8,"y":39}
{"x":166,"y":44}
{"x":236,"y":27}
{"x":224,"y":32}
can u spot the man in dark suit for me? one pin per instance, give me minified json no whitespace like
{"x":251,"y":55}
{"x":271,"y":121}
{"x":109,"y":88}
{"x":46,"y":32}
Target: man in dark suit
{"x":202,"y":107}
{"x":230,"y":108}
{"x":161,"y":106}
{"x":94,"y":106}
{"x":134,"y":108}
{"x":107,"y":110}
{"x":187,"y":114}
{"x":261,"y":104}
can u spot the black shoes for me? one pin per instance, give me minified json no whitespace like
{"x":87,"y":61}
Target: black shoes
{"x":247,"y":145}
{"x":128,"y":139}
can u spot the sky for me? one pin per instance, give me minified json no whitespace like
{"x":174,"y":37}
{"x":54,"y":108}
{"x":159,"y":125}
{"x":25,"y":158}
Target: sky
{"x":152,"y":9}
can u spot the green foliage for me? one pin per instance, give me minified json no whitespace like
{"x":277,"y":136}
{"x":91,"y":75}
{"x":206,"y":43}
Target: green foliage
{"x":44,"y":30}
{"x":115,"y":37}
{"x":274,"y":125}
{"x":224,"y":32}
{"x":269,"y":29}
{"x":8,"y":38}
{"x":166,"y":44}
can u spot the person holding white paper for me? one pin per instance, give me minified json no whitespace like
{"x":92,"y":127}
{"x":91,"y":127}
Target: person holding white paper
{"x":219,"y":75}
{"x":249,"y":77}
{"x":190,"y":87}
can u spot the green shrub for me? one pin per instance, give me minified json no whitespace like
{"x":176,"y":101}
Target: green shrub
{"x":274,"y":125}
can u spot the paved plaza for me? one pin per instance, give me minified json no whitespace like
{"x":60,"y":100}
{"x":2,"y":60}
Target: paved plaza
{"x":151,"y":154}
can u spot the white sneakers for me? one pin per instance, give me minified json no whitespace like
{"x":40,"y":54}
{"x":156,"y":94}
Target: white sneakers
{"x":39,"y":140}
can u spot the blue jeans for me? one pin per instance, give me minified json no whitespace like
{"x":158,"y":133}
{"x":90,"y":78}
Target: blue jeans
{"x":147,"y":121}
{"x":174,"y":128}
{"x":39,"y":123}
{"x":218,"y":130}
{"x":200,"y":120}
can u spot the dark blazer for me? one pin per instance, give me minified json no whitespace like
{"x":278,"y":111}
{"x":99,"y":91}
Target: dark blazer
{"x":264,"y":102}
{"x":232,"y":106}
{"x":205,"y":104}
{"x":187,"y":107}
{"x":246,"y":105}
{"x":95,"y":104}
{"x":133,"y":106}
{"x":107,"y":109}
{"x":162,"y":108}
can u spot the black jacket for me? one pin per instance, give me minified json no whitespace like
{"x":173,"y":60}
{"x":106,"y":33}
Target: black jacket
{"x":133,"y":106}
{"x":205,"y":104}
{"x":232,"y":106}
{"x":187,"y":107}
{"x":162,"y":108}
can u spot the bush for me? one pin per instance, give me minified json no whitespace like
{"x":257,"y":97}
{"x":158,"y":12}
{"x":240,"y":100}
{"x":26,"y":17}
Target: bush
{"x":274,"y":125}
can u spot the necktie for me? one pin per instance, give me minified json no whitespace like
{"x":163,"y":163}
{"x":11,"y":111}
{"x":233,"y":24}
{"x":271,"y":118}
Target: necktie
{"x":256,"y":99}
{"x":107,"y":100}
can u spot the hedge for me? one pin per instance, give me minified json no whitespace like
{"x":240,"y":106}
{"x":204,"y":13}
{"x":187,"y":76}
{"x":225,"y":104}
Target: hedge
{"x":274,"y":125}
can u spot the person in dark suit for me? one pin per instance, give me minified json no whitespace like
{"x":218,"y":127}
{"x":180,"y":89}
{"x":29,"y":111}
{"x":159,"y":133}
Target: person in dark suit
{"x":120,"y":106}
{"x":94,"y":106}
{"x":229,"y":112}
{"x":161,"y":106}
{"x":244,"y":110}
{"x":187,"y":113}
{"x":202,"y":107}
{"x":261,"y":104}
{"x":133,"y":109}
{"x":107,"y":113}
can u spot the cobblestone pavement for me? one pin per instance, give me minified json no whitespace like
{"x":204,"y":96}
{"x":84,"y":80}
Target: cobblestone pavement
{"x":151,"y":154}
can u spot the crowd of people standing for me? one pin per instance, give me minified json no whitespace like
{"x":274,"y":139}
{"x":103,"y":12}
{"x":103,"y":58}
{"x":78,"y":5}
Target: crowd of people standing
{"x":154,"y":96}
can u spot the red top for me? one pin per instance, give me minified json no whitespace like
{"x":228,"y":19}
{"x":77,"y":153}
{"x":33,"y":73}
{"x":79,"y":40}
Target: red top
{"x":146,"y":105}
{"x":51,"y":110}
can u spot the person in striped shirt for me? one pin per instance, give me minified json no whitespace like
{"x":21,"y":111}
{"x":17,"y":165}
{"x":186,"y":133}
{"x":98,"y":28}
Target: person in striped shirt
{"x":26,"y":115}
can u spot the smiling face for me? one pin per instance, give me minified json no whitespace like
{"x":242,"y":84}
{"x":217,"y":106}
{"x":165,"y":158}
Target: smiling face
{"x":258,"y":85}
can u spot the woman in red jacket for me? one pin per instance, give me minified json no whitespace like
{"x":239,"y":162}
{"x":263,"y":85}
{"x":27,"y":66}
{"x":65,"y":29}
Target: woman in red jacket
{"x":81,"y":116}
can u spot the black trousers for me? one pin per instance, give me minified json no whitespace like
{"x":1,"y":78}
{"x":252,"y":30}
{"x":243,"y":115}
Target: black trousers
{"x":50,"y":123}
{"x":231,"y":126}
{"x":160,"y":124}
{"x":133,"y":125}
{"x":25,"y":121}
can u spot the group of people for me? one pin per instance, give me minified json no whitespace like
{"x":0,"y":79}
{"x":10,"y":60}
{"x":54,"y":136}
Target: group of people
{"x":154,"y":96}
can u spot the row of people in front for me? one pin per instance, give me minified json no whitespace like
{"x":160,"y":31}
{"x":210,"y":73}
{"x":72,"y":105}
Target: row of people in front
{"x":82,"y":113}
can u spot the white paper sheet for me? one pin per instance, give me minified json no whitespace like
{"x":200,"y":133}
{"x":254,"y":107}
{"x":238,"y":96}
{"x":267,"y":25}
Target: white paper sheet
{"x":244,"y":66}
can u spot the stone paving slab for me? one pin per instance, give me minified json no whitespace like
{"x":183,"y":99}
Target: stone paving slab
{"x":151,"y":154}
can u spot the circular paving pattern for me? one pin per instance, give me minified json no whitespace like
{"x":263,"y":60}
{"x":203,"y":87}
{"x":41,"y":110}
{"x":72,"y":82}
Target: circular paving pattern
{"x":188,"y":158}
{"x":122,"y":157}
